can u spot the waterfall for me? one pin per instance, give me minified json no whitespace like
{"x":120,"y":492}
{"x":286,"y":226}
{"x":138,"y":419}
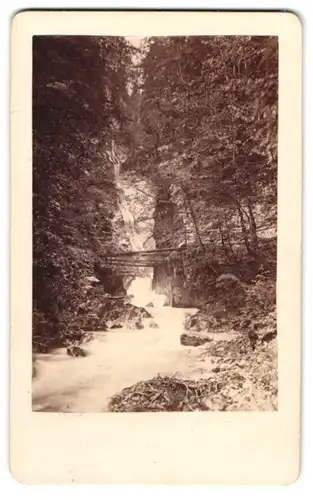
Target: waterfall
{"x":141,"y":287}
{"x":129,"y":224}
{"x":142,"y":293}
{"x":116,"y":170}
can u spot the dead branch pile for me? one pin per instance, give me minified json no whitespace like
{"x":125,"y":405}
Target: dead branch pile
{"x":165,"y":394}
{"x":242,"y":380}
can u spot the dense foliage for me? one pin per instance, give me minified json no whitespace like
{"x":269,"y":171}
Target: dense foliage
{"x":209,"y":110}
{"x":79,"y":110}
{"x":194,"y":117}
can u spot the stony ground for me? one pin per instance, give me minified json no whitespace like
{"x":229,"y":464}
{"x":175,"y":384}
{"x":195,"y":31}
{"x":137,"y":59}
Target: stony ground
{"x":242,"y":379}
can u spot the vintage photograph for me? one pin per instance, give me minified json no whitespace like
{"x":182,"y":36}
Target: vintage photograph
{"x":154,"y":224}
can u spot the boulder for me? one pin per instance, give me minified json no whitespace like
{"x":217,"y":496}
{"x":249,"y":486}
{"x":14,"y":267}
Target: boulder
{"x":267,"y":337}
{"x":150,"y":304}
{"x":93,"y":322}
{"x":124,"y":314}
{"x":204,"y":321}
{"x":217,"y":369}
{"x":188,"y":339}
{"x":230,"y":292}
{"x":98,"y":312}
{"x":76,"y":351}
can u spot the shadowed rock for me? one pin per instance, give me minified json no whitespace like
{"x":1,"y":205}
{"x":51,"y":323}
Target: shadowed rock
{"x":193,"y":340}
{"x":76,"y":351}
{"x":269,"y":336}
{"x":139,"y":325}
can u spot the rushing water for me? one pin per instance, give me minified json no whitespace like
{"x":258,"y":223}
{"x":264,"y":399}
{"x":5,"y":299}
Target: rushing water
{"x":129,"y":224}
{"x":141,"y":287}
{"x":118,"y":358}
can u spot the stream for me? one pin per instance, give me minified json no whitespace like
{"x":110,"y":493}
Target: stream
{"x":118,"y":358}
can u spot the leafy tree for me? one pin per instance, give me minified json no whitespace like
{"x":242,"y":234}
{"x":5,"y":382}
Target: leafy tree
{"x":79,"y":106}
{"x":209,"y":110}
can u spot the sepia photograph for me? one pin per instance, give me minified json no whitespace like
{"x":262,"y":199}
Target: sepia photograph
{"x":156,"y":193}
{"x":154,"y":223}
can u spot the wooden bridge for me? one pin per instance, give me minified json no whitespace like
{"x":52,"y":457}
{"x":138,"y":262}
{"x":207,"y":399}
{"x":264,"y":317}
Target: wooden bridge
{"x":144,"y":258}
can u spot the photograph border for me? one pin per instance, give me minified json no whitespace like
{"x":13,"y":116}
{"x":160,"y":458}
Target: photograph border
{"x":202,"y":448}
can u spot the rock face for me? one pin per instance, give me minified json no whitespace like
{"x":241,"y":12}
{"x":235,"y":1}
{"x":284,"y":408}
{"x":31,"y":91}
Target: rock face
{"x":127,"y":315}
{"x":207,"y":320}
{"x":162,"y":272}
{"x":138,"y":196}
{"x":265,"y":329}
{"x":111,"y":282}
{"x":222,"y":309}
{"x":100,"y":311}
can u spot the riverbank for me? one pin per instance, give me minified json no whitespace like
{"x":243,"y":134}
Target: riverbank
{"x":115,"y":359}
{"x":122,"y":362}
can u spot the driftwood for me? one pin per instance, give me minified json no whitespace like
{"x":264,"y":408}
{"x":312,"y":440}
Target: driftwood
{"x":164,"y":394}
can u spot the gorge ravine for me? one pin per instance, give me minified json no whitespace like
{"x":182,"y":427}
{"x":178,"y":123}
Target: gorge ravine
{"x":119,"y":358}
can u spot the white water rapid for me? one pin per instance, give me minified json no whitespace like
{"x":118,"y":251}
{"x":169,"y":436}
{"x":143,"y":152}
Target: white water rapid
{"x":118,"y":358}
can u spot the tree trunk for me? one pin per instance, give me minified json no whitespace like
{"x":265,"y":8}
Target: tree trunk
{"x":228,"y":237}
{"x":222,"y":238}
{"x":194,"y":220}
{"x":244,"y":230}
{"x":253,"y":227}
